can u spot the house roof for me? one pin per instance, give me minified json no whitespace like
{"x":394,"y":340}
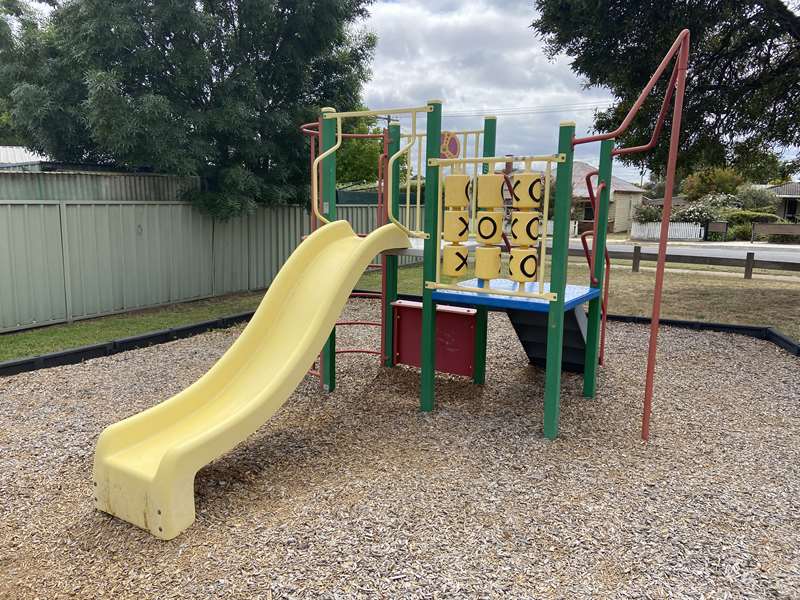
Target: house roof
{"x":790,"y":189}
{"x":579,"y":171}
{"x":678,"y":200}
{"x":12,"y":155}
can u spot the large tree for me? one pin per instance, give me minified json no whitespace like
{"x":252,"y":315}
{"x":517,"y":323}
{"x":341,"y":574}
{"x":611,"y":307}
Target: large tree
{"x":743,"y":88}
{"x":215,"y":88}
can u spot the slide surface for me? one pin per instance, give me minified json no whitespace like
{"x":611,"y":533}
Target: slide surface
{"x":145,"y":465}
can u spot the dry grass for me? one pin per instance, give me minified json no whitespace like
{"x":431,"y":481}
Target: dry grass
{"x":697,"y":296}
{"x":357,"y":494}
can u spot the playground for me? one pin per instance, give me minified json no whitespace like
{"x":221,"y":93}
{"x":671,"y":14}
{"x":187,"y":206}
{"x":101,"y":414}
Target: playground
{"x":359,"y":494}
{"x":498,"y":434}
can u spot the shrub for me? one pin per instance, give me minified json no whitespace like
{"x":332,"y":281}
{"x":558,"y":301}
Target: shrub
{"x":757,"y":199}
{"x":720,"y":200}
{"x":644,"y":213}
{"x":696,"y":212}
{"x":739,"y":217}
{"x":783,"y":239}
{"x":718,"y":179}
{"x":740,"y":231}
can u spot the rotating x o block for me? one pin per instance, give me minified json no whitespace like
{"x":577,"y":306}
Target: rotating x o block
{"x":523,"y":265}
{"x":456,"y":191}
{"x":455,"y":260}
{"x":487,"y":262}
{"x":525,"y":227}
{"x":490,"y":191}
{"x":489,"y":227}
{"x":528,"y":190}
{"x":456,"y":225}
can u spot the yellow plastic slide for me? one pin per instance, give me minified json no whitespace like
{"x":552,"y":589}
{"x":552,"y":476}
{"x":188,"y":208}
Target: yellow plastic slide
{"x":144,"y":466}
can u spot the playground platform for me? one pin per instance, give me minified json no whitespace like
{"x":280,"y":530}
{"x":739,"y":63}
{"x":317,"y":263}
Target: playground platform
{"x":574,"y":296}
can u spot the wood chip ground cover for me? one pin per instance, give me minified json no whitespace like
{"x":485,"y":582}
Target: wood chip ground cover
{"x":357,"y":494}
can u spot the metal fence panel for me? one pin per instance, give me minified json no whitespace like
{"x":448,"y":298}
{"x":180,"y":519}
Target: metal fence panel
{"x":64,"y":259}
{"x":274,"y":233}
{"x":123,"y":256}
{"x":231,"y":246}
{"x":31,"y":266}
{"x":102,"y":187}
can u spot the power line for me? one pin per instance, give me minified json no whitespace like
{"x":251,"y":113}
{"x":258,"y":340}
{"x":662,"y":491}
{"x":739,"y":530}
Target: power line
{"x":529,"y":110}
{"x":526,"y":110}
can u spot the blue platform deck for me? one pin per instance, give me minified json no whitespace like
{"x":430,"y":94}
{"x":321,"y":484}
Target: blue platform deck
{"x":575,"y":295}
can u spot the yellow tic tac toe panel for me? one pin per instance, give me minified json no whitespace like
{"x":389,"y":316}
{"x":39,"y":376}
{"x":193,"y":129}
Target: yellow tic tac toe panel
{"x":456,"y":225}
{"x":456,"y":191}
{"x":528,"y":190}
{"x":523,"y":265}
{"x":525,"y":227}
{"x":454,"y":260}
{"x":490,"y":191}
{"x":487,"y":262}
{"x":489,"y":227}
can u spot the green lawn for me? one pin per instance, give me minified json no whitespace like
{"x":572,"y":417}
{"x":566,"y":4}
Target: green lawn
{"x":694,"y":296}
{"x":104,"y":329}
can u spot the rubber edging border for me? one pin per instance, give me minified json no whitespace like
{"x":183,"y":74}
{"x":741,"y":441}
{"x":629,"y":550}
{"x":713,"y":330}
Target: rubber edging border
{"x":761,"y":332}
{"x":77,"y":355}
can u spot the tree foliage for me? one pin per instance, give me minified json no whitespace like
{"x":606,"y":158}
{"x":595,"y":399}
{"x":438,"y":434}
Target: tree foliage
{"x":357,"y":159}
{"x":706,"y":181}
{"x":215,"y":88}
{"x":757,"y":199}
{"x":743,"y":87}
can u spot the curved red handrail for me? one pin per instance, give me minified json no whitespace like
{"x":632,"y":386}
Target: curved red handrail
{"x":312,"y":129}
{"x":680,"y":42}
{"x":591,"y":258}
{"x":675,"y":88}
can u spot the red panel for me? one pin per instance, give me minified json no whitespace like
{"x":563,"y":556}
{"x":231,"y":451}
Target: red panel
{"x":455,"y":337}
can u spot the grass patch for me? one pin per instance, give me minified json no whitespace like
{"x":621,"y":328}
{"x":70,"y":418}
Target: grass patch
{"x":53,"y":338}
{"x":698,"y":297}
{"x":695,"y":297}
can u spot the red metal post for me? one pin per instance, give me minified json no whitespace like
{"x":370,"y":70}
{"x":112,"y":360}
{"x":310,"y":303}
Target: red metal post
{"x":674,"y":141}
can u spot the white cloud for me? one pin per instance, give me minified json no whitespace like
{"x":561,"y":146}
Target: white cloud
{"x":480,"y":56}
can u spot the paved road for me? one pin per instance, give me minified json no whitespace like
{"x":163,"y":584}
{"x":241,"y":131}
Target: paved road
{"x":762,"y":252}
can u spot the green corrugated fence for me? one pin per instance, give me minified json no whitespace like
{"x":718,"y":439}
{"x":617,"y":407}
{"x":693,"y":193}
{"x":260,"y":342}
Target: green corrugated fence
{"x":95,"y":244}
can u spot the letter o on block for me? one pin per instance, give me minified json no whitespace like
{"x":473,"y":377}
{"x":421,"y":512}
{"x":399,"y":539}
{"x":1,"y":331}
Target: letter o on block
{"x":456,"y":191}
{"x":525,"y":227}
{"x":489,"y":227}
{"x":523,"y":265}
{"x":528,"y":190}
{"x":456,"y":225}
{"x":455,"y":260}
{"x":487,"y":262}
{"x":490,"y":191}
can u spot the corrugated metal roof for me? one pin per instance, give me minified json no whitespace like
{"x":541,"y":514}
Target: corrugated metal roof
{"x":579,"y":171}
{"x":11,"y":155}
{"x":790,"y":189}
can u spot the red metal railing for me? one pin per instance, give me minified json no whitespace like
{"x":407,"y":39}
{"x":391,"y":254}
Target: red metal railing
{"x":676,"y":89}
{"x":312,"y":130}
{"x":591,"y":258}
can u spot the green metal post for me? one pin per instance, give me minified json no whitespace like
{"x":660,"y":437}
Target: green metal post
{"x":428,"y":333}
{"x":328,"y":195}
{"x":599,"y":243}
{"x":558,"y":281}
{"x":391,"y":261}
{"x":482,"y":316}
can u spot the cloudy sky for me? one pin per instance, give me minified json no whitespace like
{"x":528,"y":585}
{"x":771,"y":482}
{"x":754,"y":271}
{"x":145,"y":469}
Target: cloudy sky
{"x":481,"y":57}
